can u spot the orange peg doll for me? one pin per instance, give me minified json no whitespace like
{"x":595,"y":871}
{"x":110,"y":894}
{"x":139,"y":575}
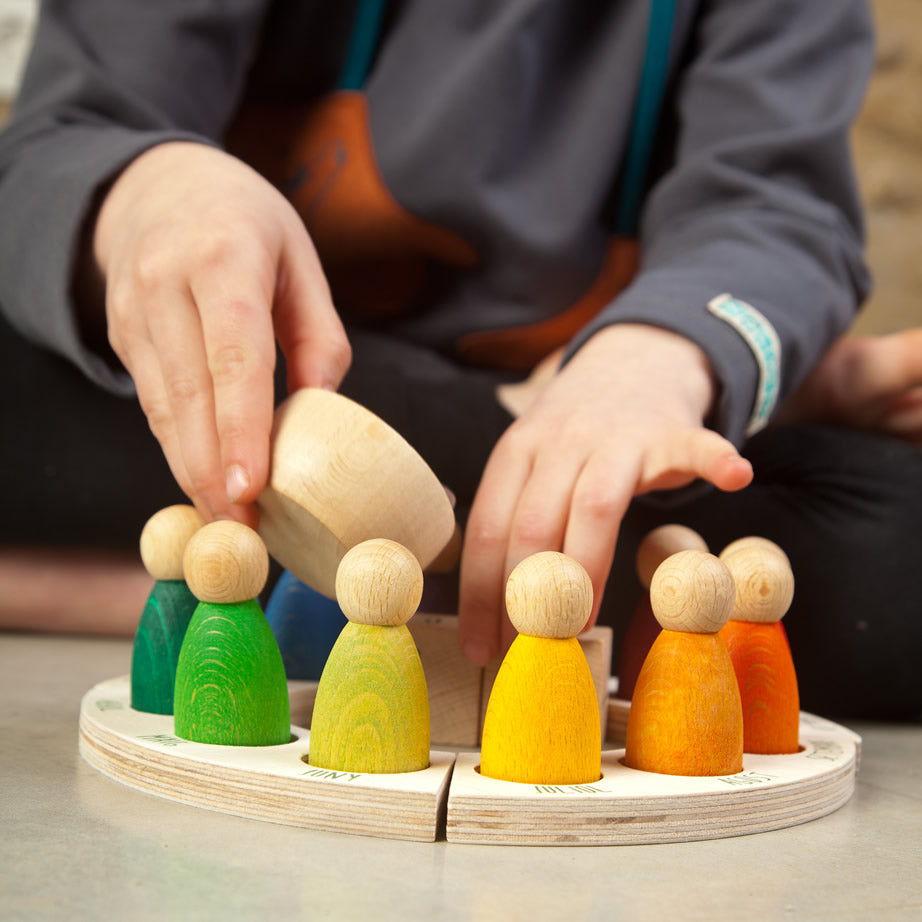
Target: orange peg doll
{"x":686,"y":716}
{"x":759,"y":646}
{"x":643,"y":627}
{"x":542,"y":720}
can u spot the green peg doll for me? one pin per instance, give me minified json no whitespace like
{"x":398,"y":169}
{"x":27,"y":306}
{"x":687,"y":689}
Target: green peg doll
{"x":230,"y":680}
{"x":168,"y":609}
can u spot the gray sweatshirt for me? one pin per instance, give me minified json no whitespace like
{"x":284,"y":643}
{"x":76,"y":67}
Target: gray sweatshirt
{"x":508,"y":125}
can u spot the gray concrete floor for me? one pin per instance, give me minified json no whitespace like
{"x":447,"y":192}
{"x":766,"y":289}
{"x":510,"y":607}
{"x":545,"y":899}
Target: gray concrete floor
{"x":77,"y":845}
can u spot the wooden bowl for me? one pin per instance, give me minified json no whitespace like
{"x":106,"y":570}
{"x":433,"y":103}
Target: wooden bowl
{"x":339,"y":476}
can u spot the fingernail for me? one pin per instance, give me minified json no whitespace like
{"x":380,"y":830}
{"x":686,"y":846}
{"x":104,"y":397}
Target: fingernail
{"x":477,"y":652}
{"x":237,"y":483}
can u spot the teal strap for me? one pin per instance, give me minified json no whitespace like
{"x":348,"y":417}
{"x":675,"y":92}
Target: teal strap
{"x":646,"y":115}
{"x":362,"y":44}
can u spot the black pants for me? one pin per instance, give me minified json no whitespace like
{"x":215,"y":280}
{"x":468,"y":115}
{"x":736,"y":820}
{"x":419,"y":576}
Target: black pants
{"x":81,"y":469}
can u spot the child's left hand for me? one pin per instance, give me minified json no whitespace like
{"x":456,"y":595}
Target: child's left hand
{"x":622,"y":418}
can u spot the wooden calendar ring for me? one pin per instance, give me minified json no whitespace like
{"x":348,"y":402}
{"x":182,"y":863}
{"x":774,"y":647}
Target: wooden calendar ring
{"x":625,"y":807}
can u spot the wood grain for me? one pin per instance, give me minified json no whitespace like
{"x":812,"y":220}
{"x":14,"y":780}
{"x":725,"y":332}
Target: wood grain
{"x":157,"y":645}
{"x":230,"y":680}
{"x":371,"y":713}
{"x":339,"y":476}
{"x":625,"y":807}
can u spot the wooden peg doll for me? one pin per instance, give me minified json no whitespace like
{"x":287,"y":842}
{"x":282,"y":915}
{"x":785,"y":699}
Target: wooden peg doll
{"x":305,"y":623}
{"x":371,"y":713}
{"x":542,"y":720}
{"x":686,"y":716}
{"x":230,"y":679}
{"x":168,"y":609}
{"x":759,"y":646}
{"x":643,"y":627}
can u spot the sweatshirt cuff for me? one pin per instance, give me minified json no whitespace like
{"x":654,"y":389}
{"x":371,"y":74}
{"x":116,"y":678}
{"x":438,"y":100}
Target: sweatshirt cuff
{"x":762,"y":339}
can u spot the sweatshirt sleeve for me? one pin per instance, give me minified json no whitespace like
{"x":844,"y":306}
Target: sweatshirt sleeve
{"x":751,"y":241}
{"x":105,"y":80}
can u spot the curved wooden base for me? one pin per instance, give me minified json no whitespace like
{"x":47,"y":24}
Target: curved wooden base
{"x":276,"y":784}
{"x":629,"y":807}
{"x":272,"y":783}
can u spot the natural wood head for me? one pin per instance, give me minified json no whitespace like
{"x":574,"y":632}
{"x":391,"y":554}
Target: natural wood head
{"x":549,"y":595}
{"x":661,"y":543}
{"x":340,"y":476}
{"x":750,"y":541}
{"x":692,"y":591}
{"x":164,"y":539}
{"x":226,"y":562}
{"x":379,"y":582}
{"x":764,"y":581}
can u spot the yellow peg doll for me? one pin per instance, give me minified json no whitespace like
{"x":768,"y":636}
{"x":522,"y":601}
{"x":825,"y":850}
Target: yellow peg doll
{"x":542,"y":720}
{"x":371,"y":713}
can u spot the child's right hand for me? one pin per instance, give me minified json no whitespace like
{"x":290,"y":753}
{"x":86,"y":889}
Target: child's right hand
{"x":206,"y":266}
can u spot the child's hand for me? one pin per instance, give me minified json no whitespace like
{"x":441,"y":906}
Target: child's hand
{"x":864,"y":382}
{"x":206,"y":265}
{"x":622,"y":418}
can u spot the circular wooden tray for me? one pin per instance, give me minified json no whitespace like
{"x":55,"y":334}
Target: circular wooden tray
{"x":451,"y":798}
